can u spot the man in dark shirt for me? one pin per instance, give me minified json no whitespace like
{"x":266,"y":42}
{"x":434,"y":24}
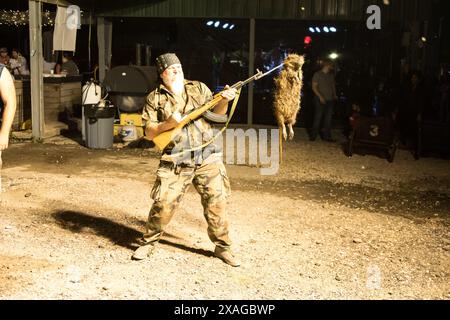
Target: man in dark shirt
{"x":68,"y":67}
{"x":4,"y":57}
{"x":324,"y":87}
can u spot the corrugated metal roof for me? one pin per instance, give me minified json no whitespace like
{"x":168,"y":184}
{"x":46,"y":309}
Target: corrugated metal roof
{"x":353,"y":10}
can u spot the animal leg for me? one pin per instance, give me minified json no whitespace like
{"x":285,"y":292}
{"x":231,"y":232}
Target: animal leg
{"x":291,"y":132}
{"x":283,"y":127}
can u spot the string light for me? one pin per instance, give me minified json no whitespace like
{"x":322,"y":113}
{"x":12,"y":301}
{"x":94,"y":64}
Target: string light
{"x":21,"y":18}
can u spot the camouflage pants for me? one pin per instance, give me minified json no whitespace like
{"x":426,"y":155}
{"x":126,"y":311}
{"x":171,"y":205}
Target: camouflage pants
{"x":210,"y":181}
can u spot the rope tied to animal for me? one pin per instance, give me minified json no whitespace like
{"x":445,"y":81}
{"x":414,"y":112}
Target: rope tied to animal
{"x":287,"y":97}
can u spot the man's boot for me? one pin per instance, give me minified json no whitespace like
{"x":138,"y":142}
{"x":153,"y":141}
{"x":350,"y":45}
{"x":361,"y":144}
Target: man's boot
{"x":227,"y":256}
{"x":143,"y":252}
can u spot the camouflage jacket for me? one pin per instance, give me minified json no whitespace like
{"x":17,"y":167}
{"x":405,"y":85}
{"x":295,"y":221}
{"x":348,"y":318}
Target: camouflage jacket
{"x":161,"y":103}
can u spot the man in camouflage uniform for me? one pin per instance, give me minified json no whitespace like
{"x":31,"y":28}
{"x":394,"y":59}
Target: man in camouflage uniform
{"x":181,"y":163}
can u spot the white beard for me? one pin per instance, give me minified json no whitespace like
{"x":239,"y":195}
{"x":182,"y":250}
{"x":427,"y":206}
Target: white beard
{"x":175,"y":84}
{"x":178,"y":86}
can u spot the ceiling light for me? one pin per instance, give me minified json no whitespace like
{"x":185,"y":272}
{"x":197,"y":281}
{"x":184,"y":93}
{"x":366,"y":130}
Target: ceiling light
{"x":333,"y":56}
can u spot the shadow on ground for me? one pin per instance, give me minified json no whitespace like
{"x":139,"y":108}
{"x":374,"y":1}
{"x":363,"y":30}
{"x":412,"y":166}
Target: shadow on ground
{"x":122,"y":235}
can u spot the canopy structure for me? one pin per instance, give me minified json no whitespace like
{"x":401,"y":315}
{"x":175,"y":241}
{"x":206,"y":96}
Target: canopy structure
{"x":104,"y":11}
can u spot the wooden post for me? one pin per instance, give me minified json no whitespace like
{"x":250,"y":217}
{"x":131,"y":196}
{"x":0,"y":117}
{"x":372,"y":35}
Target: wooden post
{"x":101,"y":48}
{"x":104,"y":39}
{"x":36,"y":66}
{"x":251,"y":70}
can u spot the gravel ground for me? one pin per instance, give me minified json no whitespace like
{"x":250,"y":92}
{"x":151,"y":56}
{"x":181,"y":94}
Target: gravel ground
{"x":325,"y":227}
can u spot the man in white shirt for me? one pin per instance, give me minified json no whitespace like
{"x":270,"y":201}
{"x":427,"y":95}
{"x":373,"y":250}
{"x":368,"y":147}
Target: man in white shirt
{"x":7,"y":109}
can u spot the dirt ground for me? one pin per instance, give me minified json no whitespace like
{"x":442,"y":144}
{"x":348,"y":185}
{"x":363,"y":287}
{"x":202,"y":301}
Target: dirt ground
{"x":325,"y":227}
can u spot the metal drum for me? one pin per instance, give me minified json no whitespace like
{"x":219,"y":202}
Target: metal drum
{"x":128,"y":86}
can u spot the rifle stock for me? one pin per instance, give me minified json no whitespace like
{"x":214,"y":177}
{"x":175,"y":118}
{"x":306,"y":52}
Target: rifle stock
{"x":162,"y":140}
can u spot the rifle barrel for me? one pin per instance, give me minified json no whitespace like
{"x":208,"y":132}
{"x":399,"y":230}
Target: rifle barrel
{"x":270,"y":71}
{"x":257,"y":76}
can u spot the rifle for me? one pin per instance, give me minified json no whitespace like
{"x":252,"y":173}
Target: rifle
{"x":165,"y":138}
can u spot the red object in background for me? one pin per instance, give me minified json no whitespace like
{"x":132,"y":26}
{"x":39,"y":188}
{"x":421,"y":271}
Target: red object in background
{"x":307,"y":40}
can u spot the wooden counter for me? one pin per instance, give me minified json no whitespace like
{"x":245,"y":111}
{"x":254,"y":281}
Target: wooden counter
{"x":23,"y":109}
{"x":60,"y":94}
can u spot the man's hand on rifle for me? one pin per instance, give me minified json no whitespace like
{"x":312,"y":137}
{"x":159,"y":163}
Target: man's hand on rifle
{"x":154,"y":129}
{"x":173,"y":120}
{"x":229,"y":93}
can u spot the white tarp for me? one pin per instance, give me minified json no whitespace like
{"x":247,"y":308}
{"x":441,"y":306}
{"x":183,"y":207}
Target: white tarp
{"x":66,"y":24}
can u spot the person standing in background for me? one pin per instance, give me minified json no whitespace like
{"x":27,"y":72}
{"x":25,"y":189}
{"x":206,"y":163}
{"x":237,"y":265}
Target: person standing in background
{"x":68,"y":67}
{"x":4,"y":57}
{"x":18,"y":63}
{"x":324,"y":88}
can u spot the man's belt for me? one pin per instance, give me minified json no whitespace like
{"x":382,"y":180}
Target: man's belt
{"x":177,"y":167}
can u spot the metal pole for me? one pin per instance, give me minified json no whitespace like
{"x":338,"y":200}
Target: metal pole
{"x":89,"y":41}
{"x":138,"y":54}
{"x":36,"y":66}
{"x":148,"y":54}
{"x":101,"y":48}
{"x":251,"y":71}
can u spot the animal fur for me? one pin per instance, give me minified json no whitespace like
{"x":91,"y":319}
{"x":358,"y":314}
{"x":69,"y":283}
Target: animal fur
{"x":287,"y":94}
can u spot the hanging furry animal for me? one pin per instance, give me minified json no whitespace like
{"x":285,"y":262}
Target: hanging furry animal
{"x":287,"y":94}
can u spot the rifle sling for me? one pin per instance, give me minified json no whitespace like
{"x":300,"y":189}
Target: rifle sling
{"x":232,"y":110}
